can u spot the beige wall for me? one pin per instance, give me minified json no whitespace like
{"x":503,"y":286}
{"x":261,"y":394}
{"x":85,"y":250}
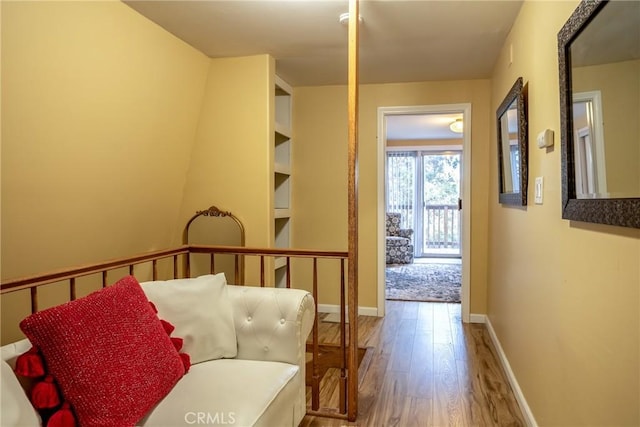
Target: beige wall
{"x":111,"y":146}
{"x":232,"y":155}
{"x":99,"y":112}
{"x":92,"y":122}
{"x":319,"y":186}
{"x":620,"y":89}
{"x":320,"y":192}
{"x":563,"y":297}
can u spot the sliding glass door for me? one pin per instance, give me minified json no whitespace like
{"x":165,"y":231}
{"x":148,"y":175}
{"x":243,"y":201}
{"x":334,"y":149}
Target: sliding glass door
{"x":424,"y":186}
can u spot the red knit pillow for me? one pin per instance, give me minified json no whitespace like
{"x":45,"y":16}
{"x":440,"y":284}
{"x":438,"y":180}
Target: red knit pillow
{"x":109,"y":354}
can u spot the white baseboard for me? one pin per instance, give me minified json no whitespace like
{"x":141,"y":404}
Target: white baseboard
{"x":477,"y":318}
{"x":522,"y":402}
{"x":333,"y":308}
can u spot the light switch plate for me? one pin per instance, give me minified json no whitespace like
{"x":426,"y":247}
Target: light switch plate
{"x":539,"y":188}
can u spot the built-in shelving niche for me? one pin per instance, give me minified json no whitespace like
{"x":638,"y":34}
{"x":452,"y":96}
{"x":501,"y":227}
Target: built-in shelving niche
{"x":281,"y":241}
{"x":282,"y":177}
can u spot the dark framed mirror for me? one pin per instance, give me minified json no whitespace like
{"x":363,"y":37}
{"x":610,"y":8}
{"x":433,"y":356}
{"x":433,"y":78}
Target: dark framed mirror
{"x":513,"y":146}
{"x":599,"y":64}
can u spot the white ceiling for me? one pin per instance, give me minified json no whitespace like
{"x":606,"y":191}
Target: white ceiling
{"x":421,"y":126}
{"x":601,"y":43}
{"x":400,"y":41}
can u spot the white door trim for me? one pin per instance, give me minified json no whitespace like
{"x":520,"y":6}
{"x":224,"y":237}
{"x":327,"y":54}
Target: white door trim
{"x":596,"y":132}
{"x":465,"y":109}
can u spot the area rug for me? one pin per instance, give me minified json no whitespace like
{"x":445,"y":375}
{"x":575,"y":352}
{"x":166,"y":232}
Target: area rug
{"x":424,"y":282}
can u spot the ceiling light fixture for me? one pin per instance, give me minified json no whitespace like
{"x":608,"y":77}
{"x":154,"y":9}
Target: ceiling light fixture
{"x":456,"y":126}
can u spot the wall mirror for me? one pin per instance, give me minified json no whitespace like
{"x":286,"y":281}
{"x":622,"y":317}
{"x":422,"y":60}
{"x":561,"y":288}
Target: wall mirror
{"x":513,"y":147}
{"x":599,"y":60}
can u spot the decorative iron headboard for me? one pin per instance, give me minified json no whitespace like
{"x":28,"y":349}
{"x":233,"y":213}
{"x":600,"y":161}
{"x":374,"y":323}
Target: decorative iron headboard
{"x":215,"y":212}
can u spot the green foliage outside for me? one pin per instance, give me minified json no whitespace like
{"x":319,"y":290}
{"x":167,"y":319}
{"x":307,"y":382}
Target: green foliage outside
{"x":441,"y":179}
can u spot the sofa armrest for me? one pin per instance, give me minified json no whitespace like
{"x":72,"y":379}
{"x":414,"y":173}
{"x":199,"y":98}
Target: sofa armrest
{"x":272,"y":324}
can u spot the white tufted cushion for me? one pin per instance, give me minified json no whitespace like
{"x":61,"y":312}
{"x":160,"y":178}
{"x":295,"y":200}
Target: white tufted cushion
{"x":271,"y":324}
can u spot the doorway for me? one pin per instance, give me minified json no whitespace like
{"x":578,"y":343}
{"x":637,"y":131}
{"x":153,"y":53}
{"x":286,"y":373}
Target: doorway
{"x":455,"y":239}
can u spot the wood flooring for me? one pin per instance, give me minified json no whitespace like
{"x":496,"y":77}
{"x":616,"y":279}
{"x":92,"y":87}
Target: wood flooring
{"x":427,"y":369}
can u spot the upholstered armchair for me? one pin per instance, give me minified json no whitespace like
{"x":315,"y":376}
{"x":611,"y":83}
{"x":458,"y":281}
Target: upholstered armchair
{"x":399,"y":246}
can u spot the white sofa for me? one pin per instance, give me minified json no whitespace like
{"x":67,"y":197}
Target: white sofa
{"x":264,"y":385}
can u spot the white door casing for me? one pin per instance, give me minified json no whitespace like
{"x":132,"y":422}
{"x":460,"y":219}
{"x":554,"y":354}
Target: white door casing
{"x":383,"y":112}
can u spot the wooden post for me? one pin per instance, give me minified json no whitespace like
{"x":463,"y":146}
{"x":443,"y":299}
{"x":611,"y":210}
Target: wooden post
{"x":187,"y":265}
{"x":34,"y":299}
{"x":175,"y":266}
{"x":343,"y":344}
{"x":315,"y":364}
{"x":72,"y":289}
{"x":237,"y":269}
{"x":288,"y":272}
{"x":262,"y":271}
{"x":352,"y":191}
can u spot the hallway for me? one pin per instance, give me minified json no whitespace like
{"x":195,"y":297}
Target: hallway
{"x":428,"y":369}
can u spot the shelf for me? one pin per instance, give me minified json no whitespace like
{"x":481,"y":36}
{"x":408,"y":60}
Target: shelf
{"x":281,"y":139}
{"x":282,"y":168}
{"x":280,"y":262}
{"x":282,"y":213}
{"x":282,"y":86}
{"x":283,"y":129}
{"x":282,"y":176}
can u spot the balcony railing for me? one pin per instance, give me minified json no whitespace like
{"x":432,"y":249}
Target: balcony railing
{"x":440,"y":228}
